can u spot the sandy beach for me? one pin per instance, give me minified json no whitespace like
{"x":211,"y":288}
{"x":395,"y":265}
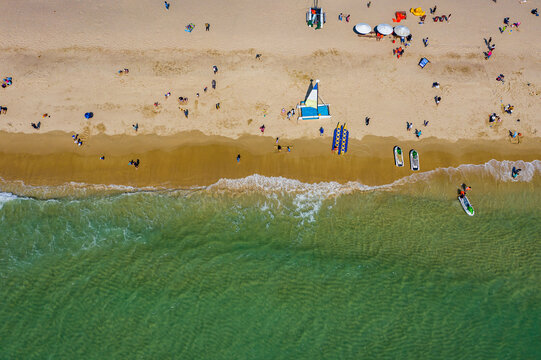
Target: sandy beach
{"x":131,"y":228}
{"x":64,"y":59}
{"x":189,"y":159}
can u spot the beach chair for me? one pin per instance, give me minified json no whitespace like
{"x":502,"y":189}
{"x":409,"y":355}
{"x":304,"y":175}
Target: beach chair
{"x":423,"y":62}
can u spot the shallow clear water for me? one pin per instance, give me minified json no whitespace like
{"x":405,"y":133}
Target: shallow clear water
{"x":289,"y":272}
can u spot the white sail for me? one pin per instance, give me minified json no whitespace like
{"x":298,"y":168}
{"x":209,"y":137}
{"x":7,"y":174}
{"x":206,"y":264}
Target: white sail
{"x":311,"y":100}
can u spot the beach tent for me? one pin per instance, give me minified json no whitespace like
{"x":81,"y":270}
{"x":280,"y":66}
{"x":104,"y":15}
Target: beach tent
{"x":362,"y":28}
{"x":384,"y":29}
{"x":311,"y":109}
{"x":423,"y":62}
{"x":401,"y":30}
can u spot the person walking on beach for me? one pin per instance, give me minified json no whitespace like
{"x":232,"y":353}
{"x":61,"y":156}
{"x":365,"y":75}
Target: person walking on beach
{"x":262,"y":128}
{"x":207,"y":27}
{"x":214,"y":84}
{"x":437,"y":99}
{"x":135,"y":127}
{"x":238,"y":158}
{"x":340,"y":17}
{"x":425,"y":41}
{"x":217,"y":106}
{"x":321,"y":131}
{"x":166,"y":5}
{"x":368,"y":4}
{"x":367,"y":121}
{"x":347,"y":18}
{"x":215,"y":69}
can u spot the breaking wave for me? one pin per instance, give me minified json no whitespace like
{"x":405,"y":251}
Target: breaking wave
{"x":498,"y":171}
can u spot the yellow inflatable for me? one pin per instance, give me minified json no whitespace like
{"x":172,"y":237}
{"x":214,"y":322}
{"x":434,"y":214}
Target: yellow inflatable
{"x":417,"y":11}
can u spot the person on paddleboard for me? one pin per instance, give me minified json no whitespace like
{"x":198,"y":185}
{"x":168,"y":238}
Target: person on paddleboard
{"x":462,"y":190}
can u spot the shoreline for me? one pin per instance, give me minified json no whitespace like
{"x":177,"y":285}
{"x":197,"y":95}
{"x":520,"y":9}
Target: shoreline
{"x":193,"y":159}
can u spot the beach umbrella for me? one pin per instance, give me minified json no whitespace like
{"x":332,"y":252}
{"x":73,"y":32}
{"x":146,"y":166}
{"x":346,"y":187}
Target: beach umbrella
{"x":363,"y":28}
{"x":384,"y":29}
{"x":402,"y":31}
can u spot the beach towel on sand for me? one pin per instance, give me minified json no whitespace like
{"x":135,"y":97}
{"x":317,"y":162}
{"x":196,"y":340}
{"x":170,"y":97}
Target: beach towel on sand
{"x":417,"y":11}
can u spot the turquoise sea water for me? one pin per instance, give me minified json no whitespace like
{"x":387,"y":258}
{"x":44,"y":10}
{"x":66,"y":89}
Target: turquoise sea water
{"x":262,"y":268}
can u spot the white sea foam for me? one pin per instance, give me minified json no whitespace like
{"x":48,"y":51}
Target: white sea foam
{"x":5,"y":197}
{"x":497,"y":170}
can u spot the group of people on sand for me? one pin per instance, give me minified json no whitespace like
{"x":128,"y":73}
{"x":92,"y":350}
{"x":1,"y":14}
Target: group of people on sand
{"x":7,"y":81}
{"x":507,"y":24}
{"x":279,"y":147}
{"x":77,"y":140}
{"x":289,"y":114}
{"x":134,"y":163}
{"x":342,"y":17}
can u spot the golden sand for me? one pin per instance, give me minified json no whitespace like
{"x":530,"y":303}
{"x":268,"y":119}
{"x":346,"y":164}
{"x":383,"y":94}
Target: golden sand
{"x":193,"y":159}
{"x":72,"y":68}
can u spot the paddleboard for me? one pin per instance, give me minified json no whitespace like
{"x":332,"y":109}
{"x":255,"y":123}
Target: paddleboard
{"x":414,"y":160}
{"x":398,"y":156}
{"x":468,"y":208}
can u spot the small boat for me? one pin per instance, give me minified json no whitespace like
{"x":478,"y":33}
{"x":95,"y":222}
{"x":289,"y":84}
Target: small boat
{"x":398,"y":156}
{"x":414,"y":160}
{"x":466,"y":205}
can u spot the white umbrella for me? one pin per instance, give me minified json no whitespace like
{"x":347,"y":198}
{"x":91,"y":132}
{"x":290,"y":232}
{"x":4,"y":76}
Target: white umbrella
{"x":402,"y":31}
{"x":384,"y":29}
{"x":363,"y":28}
